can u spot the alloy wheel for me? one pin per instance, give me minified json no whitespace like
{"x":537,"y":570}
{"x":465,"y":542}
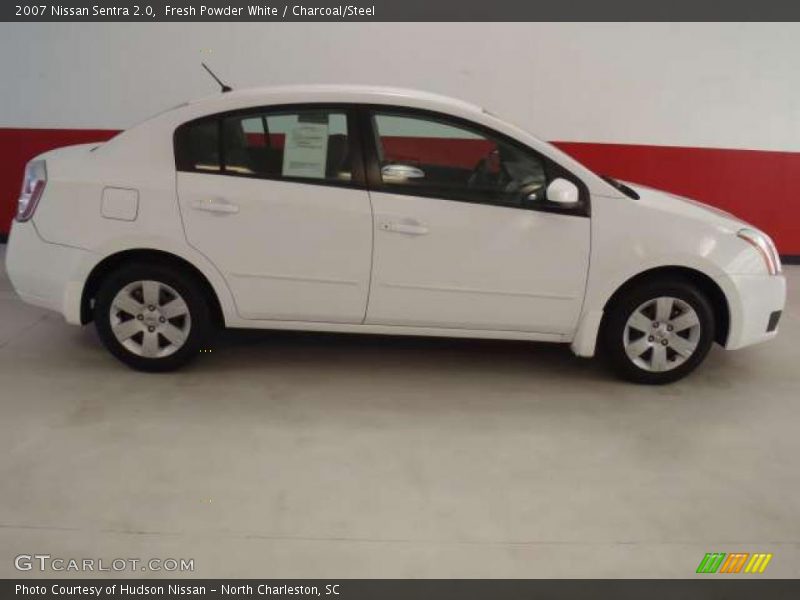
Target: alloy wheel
{"x":150,"y":319}
{"x":662,"y":334}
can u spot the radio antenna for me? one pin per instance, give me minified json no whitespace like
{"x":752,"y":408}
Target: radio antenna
{"x":225,"y":88}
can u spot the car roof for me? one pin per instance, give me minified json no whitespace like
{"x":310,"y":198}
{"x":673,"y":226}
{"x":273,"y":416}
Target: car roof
{"x":358,"y":94}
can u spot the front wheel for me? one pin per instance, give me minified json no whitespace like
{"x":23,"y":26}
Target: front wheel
{"x":658,"y":332}
{"x":152,"y":317}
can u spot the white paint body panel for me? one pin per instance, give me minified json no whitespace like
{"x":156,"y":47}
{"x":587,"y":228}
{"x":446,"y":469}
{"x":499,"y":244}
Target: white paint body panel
{"x":292,"y":251}
{"x":120,"y":204}
{"x":476,"y":266}
{"x":299,"y":256}
{"x":658,"y":230}
{"x":47,"y":275}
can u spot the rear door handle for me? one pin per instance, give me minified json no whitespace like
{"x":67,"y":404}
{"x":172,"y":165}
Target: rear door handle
{"x":409,"y":227}
{"x":215,"y":206}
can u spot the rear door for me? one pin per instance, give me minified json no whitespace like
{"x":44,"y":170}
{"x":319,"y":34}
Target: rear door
{"x":275,"y":198}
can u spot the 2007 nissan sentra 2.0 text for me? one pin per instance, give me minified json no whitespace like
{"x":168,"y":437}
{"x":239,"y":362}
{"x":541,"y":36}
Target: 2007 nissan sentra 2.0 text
{"x":377,"y":210}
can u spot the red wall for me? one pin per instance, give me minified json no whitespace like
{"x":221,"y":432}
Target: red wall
{"x":758,"y":186}
{"x":438,"y":151}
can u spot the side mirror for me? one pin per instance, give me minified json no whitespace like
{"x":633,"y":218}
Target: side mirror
{"x":563,"y":192}
{"x":400,"y":172}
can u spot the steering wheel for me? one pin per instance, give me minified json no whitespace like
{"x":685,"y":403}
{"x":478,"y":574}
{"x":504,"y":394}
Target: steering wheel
{"x":490,"y":173}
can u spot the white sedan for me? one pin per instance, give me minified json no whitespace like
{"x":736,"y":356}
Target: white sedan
{"x":374,"y":210}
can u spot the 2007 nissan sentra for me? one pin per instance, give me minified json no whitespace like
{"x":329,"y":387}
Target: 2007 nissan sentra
{"x":374,"y":210}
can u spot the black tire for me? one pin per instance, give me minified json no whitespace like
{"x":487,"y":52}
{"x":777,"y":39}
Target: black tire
{"x":613,"y":331}
{"x":197,"y":332}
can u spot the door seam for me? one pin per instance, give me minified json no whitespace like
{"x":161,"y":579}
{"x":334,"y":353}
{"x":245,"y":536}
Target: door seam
{"x":371,"y":256}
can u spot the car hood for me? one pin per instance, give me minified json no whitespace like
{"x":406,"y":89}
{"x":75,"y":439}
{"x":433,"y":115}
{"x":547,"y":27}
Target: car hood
{"x":662,"y":201}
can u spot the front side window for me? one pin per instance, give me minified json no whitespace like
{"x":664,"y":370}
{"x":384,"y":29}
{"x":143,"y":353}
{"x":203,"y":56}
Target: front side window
{"x":441,"y":158}
{"x":296,"y":144}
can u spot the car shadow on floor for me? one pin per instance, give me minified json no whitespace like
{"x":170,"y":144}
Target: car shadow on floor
{"x":396,"y":352}
{"x":254,"y":353}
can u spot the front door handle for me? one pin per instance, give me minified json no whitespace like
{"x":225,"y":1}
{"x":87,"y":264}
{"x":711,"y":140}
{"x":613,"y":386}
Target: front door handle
{"x":215,"y":206}
{"x":408,"y":227}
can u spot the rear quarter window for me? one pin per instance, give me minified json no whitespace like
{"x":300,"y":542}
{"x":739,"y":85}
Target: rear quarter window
{"x":197,"y":146}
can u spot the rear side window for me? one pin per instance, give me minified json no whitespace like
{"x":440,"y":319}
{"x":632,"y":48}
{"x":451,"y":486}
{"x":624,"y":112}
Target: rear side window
{"x":197,"y":146}
{"x":312,"y":144}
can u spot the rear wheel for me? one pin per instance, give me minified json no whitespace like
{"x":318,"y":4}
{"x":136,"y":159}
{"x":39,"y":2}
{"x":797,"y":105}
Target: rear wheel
{"x":152,"y":318}
{"x":658,"y":332}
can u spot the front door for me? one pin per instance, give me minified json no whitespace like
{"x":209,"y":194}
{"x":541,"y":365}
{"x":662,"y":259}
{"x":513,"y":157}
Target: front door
{"x":464,"y":237}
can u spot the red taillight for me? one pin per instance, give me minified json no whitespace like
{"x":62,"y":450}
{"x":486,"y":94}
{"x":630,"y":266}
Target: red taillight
{"x":32,"y":189}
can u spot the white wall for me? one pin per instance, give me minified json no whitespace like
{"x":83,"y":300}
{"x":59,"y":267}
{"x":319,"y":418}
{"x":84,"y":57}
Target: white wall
{"x":715,"y":85}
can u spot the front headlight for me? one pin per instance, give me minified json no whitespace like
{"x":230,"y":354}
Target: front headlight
{"x":762,"y":243}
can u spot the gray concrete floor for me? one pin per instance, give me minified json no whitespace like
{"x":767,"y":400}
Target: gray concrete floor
{"x":299,"y":455}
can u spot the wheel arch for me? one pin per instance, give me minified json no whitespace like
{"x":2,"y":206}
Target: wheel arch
{"x":706,"y":284}
{"x":114,"y":261}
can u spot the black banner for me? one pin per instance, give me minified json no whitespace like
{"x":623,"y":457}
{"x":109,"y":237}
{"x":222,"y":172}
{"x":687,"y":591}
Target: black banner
{"x":419,"y":589}
{"x":397,"y":10}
